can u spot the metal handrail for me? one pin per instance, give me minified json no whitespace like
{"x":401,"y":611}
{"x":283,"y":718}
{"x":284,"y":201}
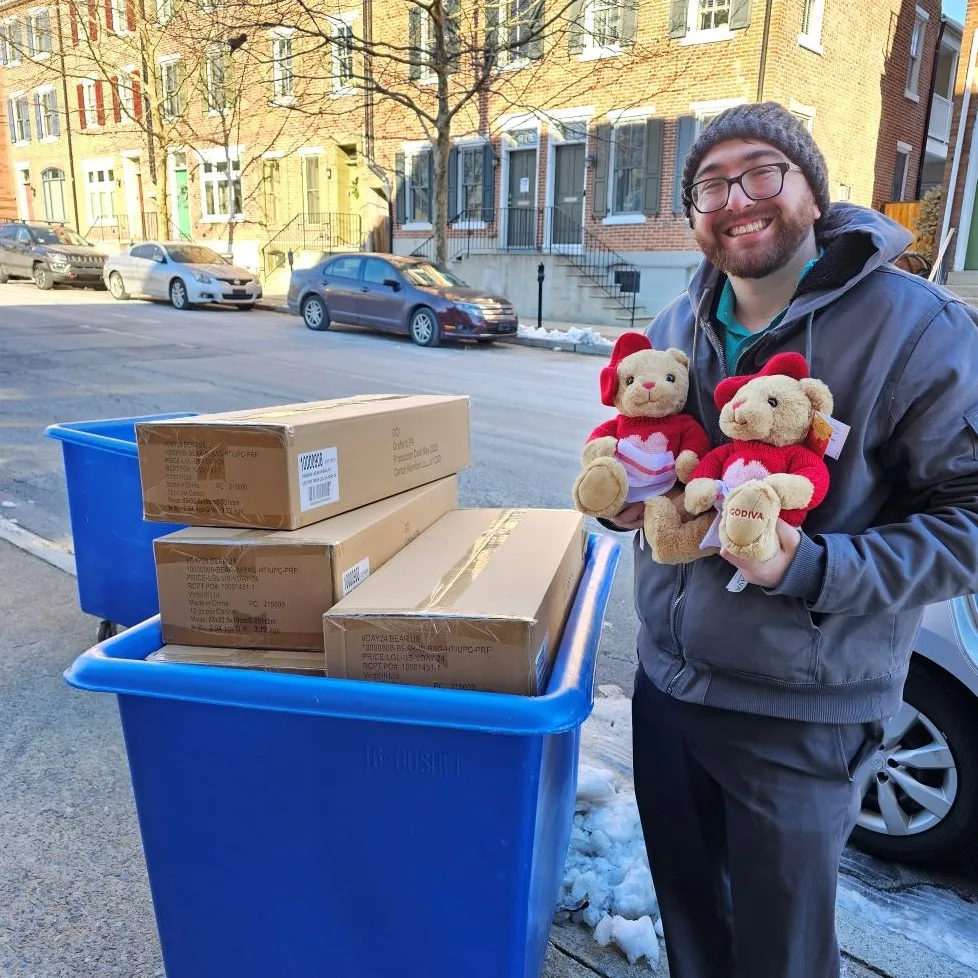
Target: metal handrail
{"x":268,"y":245}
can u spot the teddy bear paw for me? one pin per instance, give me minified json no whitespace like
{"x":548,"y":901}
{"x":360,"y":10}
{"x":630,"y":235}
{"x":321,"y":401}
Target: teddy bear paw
{"x":748,"y":525}
{"x":600,"y":490}
{"x":672,"y":537}
{"x":700,"y":496}
{"x":685,"y":465}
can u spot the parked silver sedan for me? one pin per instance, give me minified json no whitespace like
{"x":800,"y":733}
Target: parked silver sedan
{"x":187,"y":274}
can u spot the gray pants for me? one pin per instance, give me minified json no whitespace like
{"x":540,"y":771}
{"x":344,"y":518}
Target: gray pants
{"x":745,"y":818}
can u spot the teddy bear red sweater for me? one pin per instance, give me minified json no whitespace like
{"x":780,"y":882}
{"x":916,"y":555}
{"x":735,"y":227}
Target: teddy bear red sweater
{"x":675,"y":433}
{"x":742,"y":461}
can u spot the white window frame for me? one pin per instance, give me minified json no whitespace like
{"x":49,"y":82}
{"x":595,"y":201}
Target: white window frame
{"x":704,"y":111}
{"x":164,"y":11}
{"x":91,"y":104}
{"x":63,"y":181}
{"x":279,"y":37}
{"x":215,"y":54}
{"x":592,"y":49}
{"x":812,"y":38}
{"x":23,"y":125}
{"x":919,"y":32}
{"x":454,"y":207}
{"x":214,"y":157}
{"x":126,"y":94}
{"x":338,"y":25}
{"x":31,"y":35}
{"x":14,"y":53}
{"x":696,"y":35}
{"x":119,"y":23}
{"x":166,"y":95}
{"x":95,"y":189}
{"x":625,"y":117}
{"x":411,"y":152}
{"x":43,"y":91}
{"x":805,"y":113}
{"x":905,"y":150}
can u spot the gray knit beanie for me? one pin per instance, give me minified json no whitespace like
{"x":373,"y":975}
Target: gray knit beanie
{"x":771,"y":123}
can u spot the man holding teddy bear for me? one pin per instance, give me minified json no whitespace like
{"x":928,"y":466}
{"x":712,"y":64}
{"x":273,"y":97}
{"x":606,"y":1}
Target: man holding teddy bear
{"x":756,"y":708}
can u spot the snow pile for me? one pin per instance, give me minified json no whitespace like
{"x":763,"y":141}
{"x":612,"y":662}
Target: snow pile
{"x":581,"y":335}
{"x":607,"y":884}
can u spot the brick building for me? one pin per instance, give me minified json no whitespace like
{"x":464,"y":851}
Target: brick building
{"x":8,"y":205}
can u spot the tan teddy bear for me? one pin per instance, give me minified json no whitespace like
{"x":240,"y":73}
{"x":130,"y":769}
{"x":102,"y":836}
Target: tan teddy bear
{"x":650,"y":445}
{"x":774,"y":466}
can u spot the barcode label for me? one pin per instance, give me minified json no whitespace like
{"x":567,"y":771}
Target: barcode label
{"x":355,"y":575}
{"x":319,"y":482}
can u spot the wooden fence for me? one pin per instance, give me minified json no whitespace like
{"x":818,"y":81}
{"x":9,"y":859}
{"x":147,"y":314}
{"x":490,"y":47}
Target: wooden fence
{"x":904,"y":212}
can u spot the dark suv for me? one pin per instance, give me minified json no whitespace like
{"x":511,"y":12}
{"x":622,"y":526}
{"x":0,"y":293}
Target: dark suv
{"x":50,"y":254}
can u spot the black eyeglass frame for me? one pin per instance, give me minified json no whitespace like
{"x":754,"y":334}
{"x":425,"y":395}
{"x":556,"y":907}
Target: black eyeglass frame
{"x":782,"y":165}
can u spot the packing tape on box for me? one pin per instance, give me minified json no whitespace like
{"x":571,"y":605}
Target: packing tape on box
{"x":472,"y":563}
{"x":313,"y":407}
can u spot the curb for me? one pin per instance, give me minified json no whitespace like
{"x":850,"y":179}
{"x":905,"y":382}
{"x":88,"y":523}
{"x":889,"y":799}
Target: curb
{"x":555,"y":346}
{"x":37,"y":546}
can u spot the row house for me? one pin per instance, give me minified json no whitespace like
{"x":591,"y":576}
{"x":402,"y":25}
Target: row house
{"x":572,"y":155}
{"x":136,"y":119}
{"x":8,"y":204}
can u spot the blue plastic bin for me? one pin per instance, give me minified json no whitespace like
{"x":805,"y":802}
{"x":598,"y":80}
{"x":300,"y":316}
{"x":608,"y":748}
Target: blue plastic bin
{"x":113,"y":544}
{"x":296,"y":826}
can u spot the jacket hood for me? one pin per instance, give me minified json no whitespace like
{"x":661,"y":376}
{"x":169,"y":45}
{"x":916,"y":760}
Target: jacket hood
{"x":857,"y":240}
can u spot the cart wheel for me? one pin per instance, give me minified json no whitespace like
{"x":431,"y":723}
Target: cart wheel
{"x":106,"y":629}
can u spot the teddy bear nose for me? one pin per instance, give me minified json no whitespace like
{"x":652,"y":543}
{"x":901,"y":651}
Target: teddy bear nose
{"x":649,"y":384}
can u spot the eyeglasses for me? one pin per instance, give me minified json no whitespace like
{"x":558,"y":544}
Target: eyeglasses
{"x":758,"y":183}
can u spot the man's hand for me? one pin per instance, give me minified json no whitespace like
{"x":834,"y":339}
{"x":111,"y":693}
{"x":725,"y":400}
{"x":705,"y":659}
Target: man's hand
{"x":632,"y":517}
{"x":769,"y":573}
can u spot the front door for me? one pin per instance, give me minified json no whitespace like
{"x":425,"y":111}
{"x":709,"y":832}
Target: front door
{"x":25,"y":205}
{"x":183,"y":202}
{"x":133,"y":182}
{"x":521,"y":227}
{"x":568,"y":213}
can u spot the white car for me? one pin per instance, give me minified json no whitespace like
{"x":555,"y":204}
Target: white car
{"x":187,"y":274}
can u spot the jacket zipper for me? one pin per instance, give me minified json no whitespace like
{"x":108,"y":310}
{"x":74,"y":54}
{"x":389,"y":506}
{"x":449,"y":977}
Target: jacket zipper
{"x":676,"y":609}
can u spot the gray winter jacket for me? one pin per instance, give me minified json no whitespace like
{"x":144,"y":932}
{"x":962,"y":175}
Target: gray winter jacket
{"x":899,"y":527}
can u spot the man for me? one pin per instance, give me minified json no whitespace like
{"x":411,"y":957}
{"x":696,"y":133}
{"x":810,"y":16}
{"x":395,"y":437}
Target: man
{"x":753,"y":711}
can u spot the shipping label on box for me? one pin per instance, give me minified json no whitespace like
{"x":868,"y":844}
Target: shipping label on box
{"x":291,"y":466}
{"x":270,"y":588}
{"x":478,"y":601}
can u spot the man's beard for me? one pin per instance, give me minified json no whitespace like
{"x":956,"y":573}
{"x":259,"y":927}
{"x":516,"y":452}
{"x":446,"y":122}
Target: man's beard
{"x":792,"y":230}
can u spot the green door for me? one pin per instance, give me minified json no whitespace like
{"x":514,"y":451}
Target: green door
{"x":183,"y":203}
{"x":971,"y":255}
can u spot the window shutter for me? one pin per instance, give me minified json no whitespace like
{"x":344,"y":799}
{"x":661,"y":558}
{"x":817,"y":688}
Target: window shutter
{"x":488,"y":183}
{"x":400,"y":189}
{"x":10,"y":120}
{"x":629,"y":22}
{"x":130,"y":15}
{"x":739,"y":14}
{"x":26,"y":114}
{"x":652,"y":191}
{"x":602,"y":152}
{"x":39,"y":123}
{"x":534,"y":46}
{"x":575,"y":27}
{"x":73,"y":18}
{"x":116,"y":102}
{"x":491,"y":49}
{"x":92,"y":20}
{"x":99,"y":104}
{"x":678,"y":18}
{"x":431,"y":185}
{"x":44,"y":20}
{"x":110,"y":24}
{"x":685,"y":134}
{"x":453,"y":207}
{"x":82,"y":121}
{"x":55,"y":121}
{"x":415,"y":53}
{"x":137,"y":99}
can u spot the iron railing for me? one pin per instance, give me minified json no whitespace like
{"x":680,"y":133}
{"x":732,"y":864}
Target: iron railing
{"x":108,"y":229}
{"x":542,"y":230}
{"x":323,"y":232}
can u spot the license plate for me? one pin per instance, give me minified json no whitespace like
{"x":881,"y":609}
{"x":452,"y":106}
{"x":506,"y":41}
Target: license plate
{"x":239,"y":293}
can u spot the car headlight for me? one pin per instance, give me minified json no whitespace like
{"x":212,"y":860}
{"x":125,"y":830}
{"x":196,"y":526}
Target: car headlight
{"x":475,"y":311}
{"x":59,"y":261}
{"x":203,"y":279}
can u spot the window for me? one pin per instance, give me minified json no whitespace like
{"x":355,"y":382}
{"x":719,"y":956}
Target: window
{"x":310,"y":184}
{"x":514,"y":30}
{"x":11,"y":49}
{"x":271,"y":181}
{"x":171,"y":76}
{"x":628,"y":168}
{"x":215,"y":81}
{"x":18,"y":118}
{"x":346,"y":267}
{"x":99,"y":191}
{"x":38,"y":27}
{"x":46,"y":113}
{"x":164,"y":11}
{"x":421,"y":42}
{"x":126,"y":95}
{"x":53,"y":194}
{"x":916,"y":54}
{"x":221,"y":185}
{"x":711,"y":15}
{"x":419,"y":208}
{"x":282,"y":77}
{"x":342,"y":55}
{"x":900,"y":171}
{"x":804,"y":114}
{"x":87,"y":104}
{"x":377,"y":271}
{"x":812,"y":13}
{"x":119,"y":16}
{"x":470,"y":172}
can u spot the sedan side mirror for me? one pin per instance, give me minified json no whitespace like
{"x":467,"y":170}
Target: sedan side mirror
{"x":393,"y":283}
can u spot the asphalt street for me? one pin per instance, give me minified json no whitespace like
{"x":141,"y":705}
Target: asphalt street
{"x":72,"y":356}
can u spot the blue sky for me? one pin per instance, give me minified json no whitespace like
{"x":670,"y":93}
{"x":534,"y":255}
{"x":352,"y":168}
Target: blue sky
{"x":955,"y":9}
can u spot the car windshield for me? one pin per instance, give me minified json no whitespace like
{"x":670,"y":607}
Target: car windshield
{"x":56,"y":236}
{"x":195,"y":255}
{"x":424,"y":273}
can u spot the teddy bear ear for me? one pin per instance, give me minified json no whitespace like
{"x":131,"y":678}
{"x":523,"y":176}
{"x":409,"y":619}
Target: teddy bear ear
{"x":818,"y":393}
{"x":609,"y":385}
{"x":678,"y":356}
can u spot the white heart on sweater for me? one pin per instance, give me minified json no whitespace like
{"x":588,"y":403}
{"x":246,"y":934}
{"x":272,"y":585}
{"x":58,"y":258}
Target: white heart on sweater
{"x":654,"y":443}
{"x":739,"y":472}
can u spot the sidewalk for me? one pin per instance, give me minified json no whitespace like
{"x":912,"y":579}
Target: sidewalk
{"x":551,"y":335}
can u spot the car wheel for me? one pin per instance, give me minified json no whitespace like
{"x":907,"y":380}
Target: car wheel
{"x":117,"y":287}
{"x":43,"y":279}
{"x":178,"y":295}
{"x":4,"y":277}
{"x":424,"y":327}
{"x":920,"y":791}
{"x":314,"y":313}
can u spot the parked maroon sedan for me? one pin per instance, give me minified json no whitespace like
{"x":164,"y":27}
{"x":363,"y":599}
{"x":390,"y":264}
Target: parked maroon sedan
{"x":400,"y":294}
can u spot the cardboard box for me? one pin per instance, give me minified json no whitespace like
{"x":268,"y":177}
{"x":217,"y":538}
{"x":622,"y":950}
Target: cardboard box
{"x":270,"y":588}
{"x":285,"y":467}
{"x":477,"y":601}
{"x":264,"y":660}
